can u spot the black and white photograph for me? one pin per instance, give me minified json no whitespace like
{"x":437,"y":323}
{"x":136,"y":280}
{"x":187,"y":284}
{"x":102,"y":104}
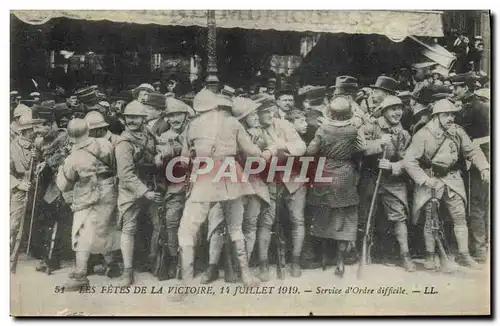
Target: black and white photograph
{"x":250,"y":163}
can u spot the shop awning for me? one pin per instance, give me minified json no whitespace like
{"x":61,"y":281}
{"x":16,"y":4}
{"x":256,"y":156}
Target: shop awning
{"x":392,"y":23}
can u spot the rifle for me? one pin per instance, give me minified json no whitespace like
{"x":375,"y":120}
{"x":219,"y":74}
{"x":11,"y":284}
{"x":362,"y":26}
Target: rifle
{"x":32,"y":215}
{"x":51,"y":249}
{"x":229,"y":270}
{"x":437,"y":231}
{"x":280,"y":242}
{"x":17,"y":245}
{"x":367,"y":238}
{"x":161,"y":265}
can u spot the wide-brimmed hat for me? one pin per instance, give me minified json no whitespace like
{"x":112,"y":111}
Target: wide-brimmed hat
{"x":387,"y":84}
{"x":346,"y":82}
{"x":207,"y":100}
{"x":242,"y":107}
{"x":20,"y":110}
{"x":26,"y":121}
{"x":155,"y":100}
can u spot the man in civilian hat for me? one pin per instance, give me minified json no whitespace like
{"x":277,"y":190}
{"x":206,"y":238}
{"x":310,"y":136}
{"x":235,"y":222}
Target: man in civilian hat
{"x":383,"y":87}
{"x":285,"y":100}
{"x":347,"y":86}
{"x":21,"y":155}
{"x":155,"y":105}
{"x":137,"y":181}
{"x":226,"y":137}
{"x":475,"y":119}
{"x":282,"y":136}
{"x":432,"y":161}
{"x":387,"y":134}
{"x":271,"y":86}
{"x":139,"y":93}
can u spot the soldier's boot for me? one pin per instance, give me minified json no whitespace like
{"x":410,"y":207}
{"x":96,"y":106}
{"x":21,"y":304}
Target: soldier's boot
{"x":172,"y":267}
{"x":447,"y":265}
{"x":407,"y":263}
{"x":242,"y":256}
{"x":112,"y":268}
{"x":210,"y":275}
{"x":127,"y":278}
{"x":264,"y":271}
{"x":430,"y":261}
{"x":481,"y":255}
{"x":77,"y":283}
{"x":296,"y":271}
{"x":465,"y":259}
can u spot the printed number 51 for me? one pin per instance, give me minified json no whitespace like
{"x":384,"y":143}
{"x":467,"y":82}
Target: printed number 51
{"x":59,"y":289}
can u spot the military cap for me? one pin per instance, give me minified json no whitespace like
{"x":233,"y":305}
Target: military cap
{"x":315,"y":95}
{"x":87,"y":94}
{"x":285,"y":89}
{"x":44,"y":112}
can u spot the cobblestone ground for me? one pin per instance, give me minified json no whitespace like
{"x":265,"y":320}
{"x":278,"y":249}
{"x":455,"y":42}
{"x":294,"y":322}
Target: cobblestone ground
{"x":465,"y":292}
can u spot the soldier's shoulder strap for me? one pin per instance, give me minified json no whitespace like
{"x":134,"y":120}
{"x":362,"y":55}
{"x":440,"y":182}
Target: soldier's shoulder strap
{"x":96,"y":153}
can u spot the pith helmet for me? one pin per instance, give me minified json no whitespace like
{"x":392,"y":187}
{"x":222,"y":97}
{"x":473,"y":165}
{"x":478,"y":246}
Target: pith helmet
{"x":20,"y":110}
{"x":176,"y":106}
{"x":443,"y":106}
{"x":135,"y":108}
{"x":243,"y":107}
{"x":95,"y":120}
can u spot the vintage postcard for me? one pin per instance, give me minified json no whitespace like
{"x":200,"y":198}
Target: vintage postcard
{"x":250,"y":163}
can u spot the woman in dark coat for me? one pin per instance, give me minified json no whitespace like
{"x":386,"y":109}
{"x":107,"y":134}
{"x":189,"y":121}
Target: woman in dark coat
{"x":338,"y":141}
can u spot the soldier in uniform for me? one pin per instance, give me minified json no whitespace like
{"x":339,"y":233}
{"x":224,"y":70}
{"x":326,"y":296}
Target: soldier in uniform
{"x":98,"y":127}
{"x":387,"y":134}
{"x":21,"y":154}
{"x":20,"y":110}
{"x":217,"y":144}
{"x":245,"y":111}
{"x":90,"y":171}
{"x":475,"y":119}
{"x":438,"y":147}
{"x":171,"y":142}
{"x":135,"y":156}
{"x":281,"y":135}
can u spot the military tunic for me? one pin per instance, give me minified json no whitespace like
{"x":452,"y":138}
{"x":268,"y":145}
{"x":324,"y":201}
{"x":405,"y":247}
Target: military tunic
{"x":222,"y":141}
{"x":20,"y":158}
{"x":136,"y":172}
{"x":393,"y":193}
{"x":90,"y":171}
{"x":432,"y":144}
